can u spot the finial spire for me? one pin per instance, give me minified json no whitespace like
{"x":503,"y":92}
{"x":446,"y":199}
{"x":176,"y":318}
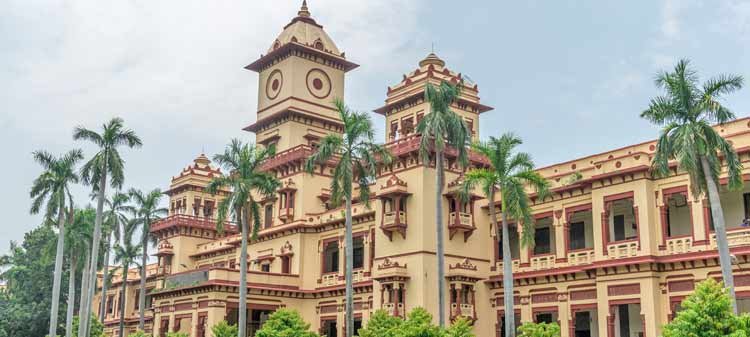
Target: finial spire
{"x":303,"y":11}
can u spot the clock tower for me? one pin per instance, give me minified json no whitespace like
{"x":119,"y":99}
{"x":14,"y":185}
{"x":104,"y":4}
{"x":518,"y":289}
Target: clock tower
{"x":300,"y":77}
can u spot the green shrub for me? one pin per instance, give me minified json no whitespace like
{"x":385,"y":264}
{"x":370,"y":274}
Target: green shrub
{"x":706,"y":313}
{"x":539,"y":330}
{"x":418,"y":323}
{"x":285,"y":323}
{"x":138,"y":334}
{"x":381,"y":324}
{"x":223,"y":329}
{"x":460,"y":328}
{"x":97,"y":328}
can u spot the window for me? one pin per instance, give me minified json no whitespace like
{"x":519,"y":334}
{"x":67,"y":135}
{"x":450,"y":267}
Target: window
{"x":357,"y":325}
{"x":746,"y":203}
{"x":266,"y":267}
{"x":619,"y":224}
{"x":110,"y":305}
{"x":331,"y":257}
{"x":328,"y":329}
{"x":542,"y":241}
{"x":286,"y":265}
{"x":545,"y":317}
{"x":269,"y":216}
{"x":513,"y":241}
{"x":359,"y":253}
{"x":577,"y":236}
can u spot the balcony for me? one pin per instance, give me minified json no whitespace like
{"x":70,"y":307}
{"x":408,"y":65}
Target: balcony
{"x":515,"y":265}
{"x":460,"y":222}
{"x":580,"y":257}
{"x":543,"y":262}
{"x":330,"y":279}
{"x":735,"y":237}
{"x":679,"y":245}
{"x":620,"y":250}
{"x":182,"y":220}
{"x":462,"y":310}
{"x":286,"y":214}
{"x":394,"y":309}
{"x":394,"y":222}
{"x":358,"y":275}
{"x":389,"y":218}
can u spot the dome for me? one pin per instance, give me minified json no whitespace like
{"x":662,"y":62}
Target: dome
{"x":304,"y":30}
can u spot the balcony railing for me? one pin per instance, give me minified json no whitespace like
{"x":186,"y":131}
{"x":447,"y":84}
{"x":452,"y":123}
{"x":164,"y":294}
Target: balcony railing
{"x":394,"y":309}
{"x":581,"y":257}
{"x":462,"y":309}
{"x":358,"y":275}
{"x":735,"y":237}
{"x":679,"y":245}
{"x":389,"y":218}
{"x":286,"y":214}
{"x":464,"y":219}
{"x":329,"y":279}
{"x":515,"y":264}
{"x":619,"y":250}
{"x":191,"y":221}
{"x":543,"y":262}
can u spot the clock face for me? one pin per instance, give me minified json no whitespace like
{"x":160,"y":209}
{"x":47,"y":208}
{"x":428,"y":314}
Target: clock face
{"x":318,"y":83}
{"x":274,"y":83}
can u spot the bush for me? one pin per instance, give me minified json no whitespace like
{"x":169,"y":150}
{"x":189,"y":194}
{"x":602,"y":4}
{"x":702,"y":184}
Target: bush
{"x":419,"y":324}
{"x":285,"y":323}
{"x":460,"y":328}
{"x":223,"y":329}
{"x":706,"y":313}
{"x":138,"y":334}
{"x":97,"y":328}
{"x":177,"y":334}
{"x":381,"y":325}
{"x":539,"y":330}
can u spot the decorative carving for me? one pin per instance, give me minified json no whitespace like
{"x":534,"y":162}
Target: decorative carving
{"x":580,"y":295}
{"x":388,"y":263}
{"x":625,"y":289}
{"x":465,"y":264}
{"x":394,"y":180}
{"x":687,"y":285}
{"x":543,"y":298}
{"x":286,"y":249}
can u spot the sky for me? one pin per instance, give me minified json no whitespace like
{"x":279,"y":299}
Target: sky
{"x":569,"y":77}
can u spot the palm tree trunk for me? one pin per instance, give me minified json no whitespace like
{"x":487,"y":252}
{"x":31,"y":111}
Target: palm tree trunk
{"x":349,"y":259}
{"x":71,"y":295}
{"x":508,"y":302}
{"x":105,"y":275}
{"x":144,"y":257}
{"x":242,"y":319}
{"x":84,"y":288}
{"x":439,"y":226}
{"x":123,"y":298}
{"x":57,"y":278}
{"x":725,"y":260}
{"x":94,"y":252}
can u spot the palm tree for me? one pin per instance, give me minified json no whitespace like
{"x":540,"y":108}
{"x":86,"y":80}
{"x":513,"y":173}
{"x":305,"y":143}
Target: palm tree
{"x":106,"y":162}
{"x":52,"y":190}
{"x":78,"y":236}
{"x":146,"y":210}
{"x":126,"y":254}
{"x":244,"y":178}
{"x":440,"y":128}
{"x":686,"y":113}
{"x":115,"y":216}
{"x":358,"y":157}
{"x":509,"y":174}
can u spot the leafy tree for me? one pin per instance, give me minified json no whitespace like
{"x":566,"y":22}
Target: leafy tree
{"x":357,"y":159}
{"x":381,"y":324}
{"x":440,"y":128}
{"x":418,"y":323}
{"x":138,"y":333}
{"x":224,"y":329}
{"x":96,"y":328}
{"x":242,"y":162}
{"x":117,"y":206}
{"x":146,"y":210}
{"x":285,"y":323}
{"x":509,"y":174}
{"x":531,"y":329}
{"x":177,"y":334}
{"x":105,"y":163}
{"x":125,"y":254}
{"x":686,"y":113}
{"x":51,"y":190}
{"x":460,"y":328}
{"x":706,"y":313}
{"x":28,"y":274}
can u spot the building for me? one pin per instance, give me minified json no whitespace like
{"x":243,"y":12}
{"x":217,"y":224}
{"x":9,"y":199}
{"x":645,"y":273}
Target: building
{"x":616,"y":249}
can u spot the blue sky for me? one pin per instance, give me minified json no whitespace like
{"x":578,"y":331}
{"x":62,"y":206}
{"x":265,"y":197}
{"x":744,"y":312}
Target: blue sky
{"x":570,"y":77}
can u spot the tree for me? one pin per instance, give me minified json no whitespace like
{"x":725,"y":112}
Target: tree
{"x":531,"y":329}
{"x":358,"y":157}
{"x":285,"y":323}
{"x":224,"y":329}
{"x":125,"y":254}
{"x":78,"y":235}
{"x":440,"y":128}
{"x":28,"y":275}
{"x":96,"y":329}
{"x":460,"y":328}
{"x":509,"y":174}
{"x":52,"y":190}
{"x":105,"y":163}
{"x":244,"y":178}
{"x":707,"y":313}
{"x":177,"y":334}
{"x":381,"y":324}
{"x":418,"y":323}
{"x":685,"y":112}
{"x":117,"y":205}
{"x":146,"y":210}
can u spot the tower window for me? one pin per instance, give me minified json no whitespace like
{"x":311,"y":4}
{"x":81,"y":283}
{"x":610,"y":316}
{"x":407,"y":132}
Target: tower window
{"x":331,"y":257}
